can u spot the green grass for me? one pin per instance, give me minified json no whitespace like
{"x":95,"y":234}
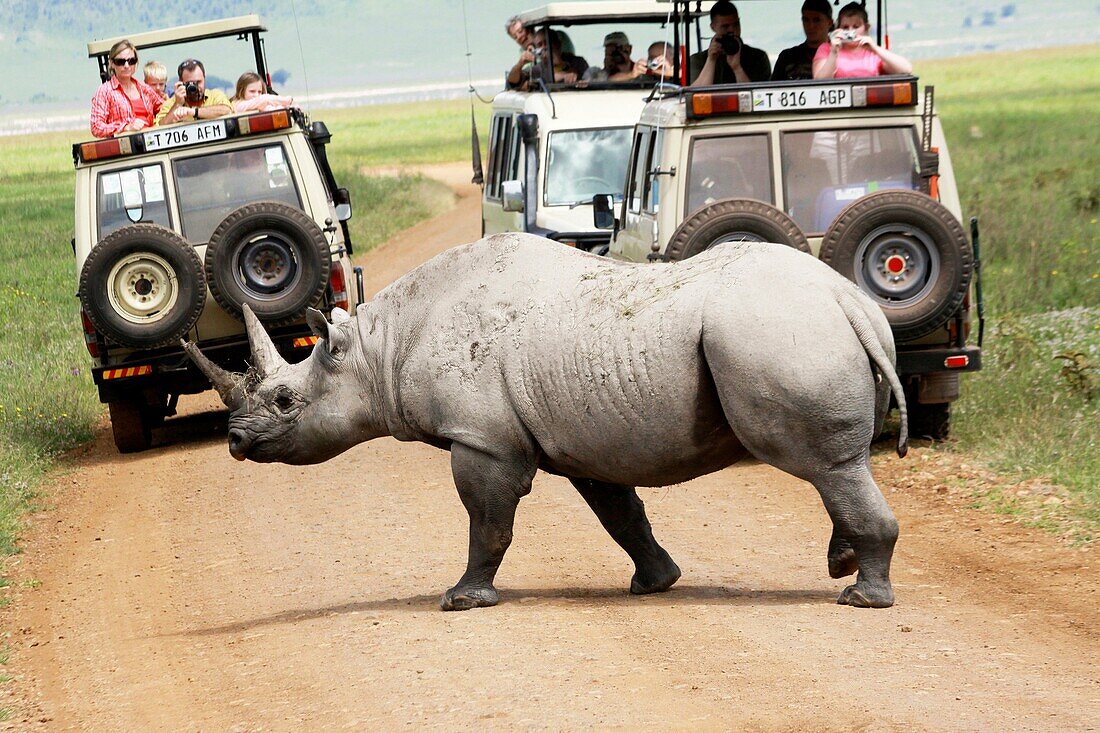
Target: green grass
{"x":1026,"y":153}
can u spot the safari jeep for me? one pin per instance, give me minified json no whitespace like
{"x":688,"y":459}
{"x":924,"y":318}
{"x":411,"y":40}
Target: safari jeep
{"x":854,"y":171}
{"x":179,"y":227}
{"x":555,"y":145}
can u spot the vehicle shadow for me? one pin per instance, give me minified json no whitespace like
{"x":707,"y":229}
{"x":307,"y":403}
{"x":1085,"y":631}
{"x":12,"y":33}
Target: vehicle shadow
{"x":708,"y":595}
{"x":192,"y":430}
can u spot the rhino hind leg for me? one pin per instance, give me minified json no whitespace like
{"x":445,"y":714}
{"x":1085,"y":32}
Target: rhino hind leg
{"x":622,"y":514}
{"x":490,"y":489}
{"x":864,"y":533}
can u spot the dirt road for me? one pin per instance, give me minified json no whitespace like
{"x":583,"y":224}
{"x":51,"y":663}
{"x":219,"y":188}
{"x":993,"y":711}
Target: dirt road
{"x":179,"y":590}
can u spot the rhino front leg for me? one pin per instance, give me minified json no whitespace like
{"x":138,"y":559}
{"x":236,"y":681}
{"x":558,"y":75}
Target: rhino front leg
{"x":490,"y":489}
{"x":622,"y":514}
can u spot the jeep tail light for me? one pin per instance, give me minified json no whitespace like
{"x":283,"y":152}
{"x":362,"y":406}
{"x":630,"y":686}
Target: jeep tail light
{"x":264,"y":123}
{"x":339,"y":288}
{"x":90,"y":335}
{"x":104,"y":149}
{"x":884,"y":95}
{"x":720,"y":103}
{"x":957,"y":362}
{"x":303,"y":341}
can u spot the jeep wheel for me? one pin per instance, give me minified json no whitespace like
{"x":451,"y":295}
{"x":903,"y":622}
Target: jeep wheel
{"x":932,"y":421}
{"x":908,"y":252}
{"x":130,"y":425}
{"x":734,"y":220}
{"x":143,"y":286}
{"x":272,"y":257}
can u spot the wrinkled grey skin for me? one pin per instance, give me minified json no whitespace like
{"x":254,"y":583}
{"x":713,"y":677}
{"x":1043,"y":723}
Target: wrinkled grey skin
{"x":517,"y":353}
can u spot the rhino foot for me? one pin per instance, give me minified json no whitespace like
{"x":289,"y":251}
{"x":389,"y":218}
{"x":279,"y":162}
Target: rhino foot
{"x":656,"y":578}
{"x":865,"y":595}
{"x":463,"y":598}
{"x":843,"y":563}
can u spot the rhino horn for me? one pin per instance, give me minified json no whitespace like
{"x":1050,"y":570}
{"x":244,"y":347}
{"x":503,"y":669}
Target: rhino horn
{"x":265,"y":357}
{"x":228,"y":384}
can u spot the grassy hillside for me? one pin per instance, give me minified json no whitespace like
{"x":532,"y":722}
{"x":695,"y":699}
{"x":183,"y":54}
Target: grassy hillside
{"x":1026,"y":152}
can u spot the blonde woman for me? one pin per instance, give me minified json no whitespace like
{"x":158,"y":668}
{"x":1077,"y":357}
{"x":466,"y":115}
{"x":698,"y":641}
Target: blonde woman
{"x":123,"y":104}
{"x":250,"y":97}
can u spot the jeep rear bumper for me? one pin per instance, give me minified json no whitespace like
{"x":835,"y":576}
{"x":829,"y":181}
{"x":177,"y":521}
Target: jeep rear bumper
{"x":926,"y":361}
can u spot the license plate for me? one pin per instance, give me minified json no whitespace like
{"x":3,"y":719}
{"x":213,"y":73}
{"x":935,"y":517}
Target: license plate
{"x":796,"y":98}
{"x":180,"y":135}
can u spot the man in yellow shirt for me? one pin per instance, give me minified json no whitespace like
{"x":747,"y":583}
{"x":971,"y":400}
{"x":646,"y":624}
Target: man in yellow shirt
{"x":201,"y":104}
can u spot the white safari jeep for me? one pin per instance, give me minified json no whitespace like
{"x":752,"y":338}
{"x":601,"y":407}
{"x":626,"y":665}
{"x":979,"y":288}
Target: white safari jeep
{"x":854,"y":171}
{"x":554,"y":145}
{"x":177,"y":228}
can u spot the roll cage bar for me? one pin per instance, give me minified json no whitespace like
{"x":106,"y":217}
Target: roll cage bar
{"x":244,"y":27}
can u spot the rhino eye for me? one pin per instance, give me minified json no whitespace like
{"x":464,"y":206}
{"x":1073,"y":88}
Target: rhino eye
{"x":284,"y":401}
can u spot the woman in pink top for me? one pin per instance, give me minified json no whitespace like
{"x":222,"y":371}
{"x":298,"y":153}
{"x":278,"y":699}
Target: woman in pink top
{"x":859,"y":57}
{"x":250,"y":97}
{"x":122,"y":103}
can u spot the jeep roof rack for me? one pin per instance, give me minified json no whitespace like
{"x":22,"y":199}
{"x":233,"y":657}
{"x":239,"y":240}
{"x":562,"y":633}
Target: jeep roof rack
{"x":243,"y":27}
{"x":607,"y":11}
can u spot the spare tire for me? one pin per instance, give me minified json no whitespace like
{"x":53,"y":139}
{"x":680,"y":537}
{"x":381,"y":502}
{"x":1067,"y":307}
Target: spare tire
{"x":143,"y":286}
{"x":272,"y":257}
{"x":908,"y":252}
{"x":733,"y":220}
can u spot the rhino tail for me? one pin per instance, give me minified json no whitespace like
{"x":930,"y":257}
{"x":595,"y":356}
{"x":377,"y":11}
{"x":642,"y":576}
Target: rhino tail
{"x":865,"y":332}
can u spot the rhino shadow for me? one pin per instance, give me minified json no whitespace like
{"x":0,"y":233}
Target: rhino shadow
{"x":711,"y":595}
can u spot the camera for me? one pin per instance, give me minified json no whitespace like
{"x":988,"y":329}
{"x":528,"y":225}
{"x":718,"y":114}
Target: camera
{"x":845,"y":36}
{"x":192,"y":94}
{"x":654,"y":64}
{"x":730,"y":44}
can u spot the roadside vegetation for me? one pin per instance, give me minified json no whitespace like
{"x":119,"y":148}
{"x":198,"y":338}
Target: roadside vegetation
{"x":1025,"y":152}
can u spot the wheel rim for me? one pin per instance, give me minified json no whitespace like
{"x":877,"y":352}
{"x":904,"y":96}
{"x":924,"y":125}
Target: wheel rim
{"x":142,"y":288}
{"x":897,"y":265}
{"x":736,"y":237}
{"x":266,"y":265}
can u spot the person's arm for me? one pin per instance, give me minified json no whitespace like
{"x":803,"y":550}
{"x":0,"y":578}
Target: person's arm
{"x":825,"y":64}
{"x":705,"y":76}
{"x":892,"y":63}
{"x":515,"y":74}
{"x":215,"y":104}
{"x":100,"y":125}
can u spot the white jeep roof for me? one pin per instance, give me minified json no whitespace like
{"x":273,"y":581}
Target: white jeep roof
{"x":579,"y":13}
{"x":182,"y":34}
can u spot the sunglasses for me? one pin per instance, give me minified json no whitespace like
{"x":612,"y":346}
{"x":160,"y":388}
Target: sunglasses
{"x":129,"y":61}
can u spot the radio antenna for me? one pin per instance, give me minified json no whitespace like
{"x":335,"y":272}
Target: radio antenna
{"x":475,"y":142}
{"x":301,"y":52}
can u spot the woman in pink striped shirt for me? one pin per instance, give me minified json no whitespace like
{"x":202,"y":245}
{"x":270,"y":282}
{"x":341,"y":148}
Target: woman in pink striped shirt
{"x":123,"y":103}
{"x":859,"y":57}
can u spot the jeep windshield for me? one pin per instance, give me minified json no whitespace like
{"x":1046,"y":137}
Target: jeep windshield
{"x":583,"y":163}
{"x":212,"y":186}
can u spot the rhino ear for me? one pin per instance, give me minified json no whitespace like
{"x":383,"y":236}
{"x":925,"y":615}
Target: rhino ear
{"x":333,"y":339}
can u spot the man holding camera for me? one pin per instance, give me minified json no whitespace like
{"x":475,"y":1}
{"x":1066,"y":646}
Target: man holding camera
{"x":617,"y":64}
{"x":191,"y":100}
{"x":728,"y":60}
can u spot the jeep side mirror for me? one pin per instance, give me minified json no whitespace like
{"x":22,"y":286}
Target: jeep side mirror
{"x":512,"y":195}
{"x":603,"y":214}
{"x":342,"y":201}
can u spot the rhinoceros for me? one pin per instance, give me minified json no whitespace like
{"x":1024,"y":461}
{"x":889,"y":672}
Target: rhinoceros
{"x":516,"y":353}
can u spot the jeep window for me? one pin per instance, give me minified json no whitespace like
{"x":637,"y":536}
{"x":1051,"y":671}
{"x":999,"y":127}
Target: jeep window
{"x":653,"y":190}
{"x":732,"y":166}
{"x":583,"y":163}
{"x":826,"y":170}
{"x":131,"y":195}
{"x":500,"y":138}
{"x":212,"y":186}
{"x":639,"y":164}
